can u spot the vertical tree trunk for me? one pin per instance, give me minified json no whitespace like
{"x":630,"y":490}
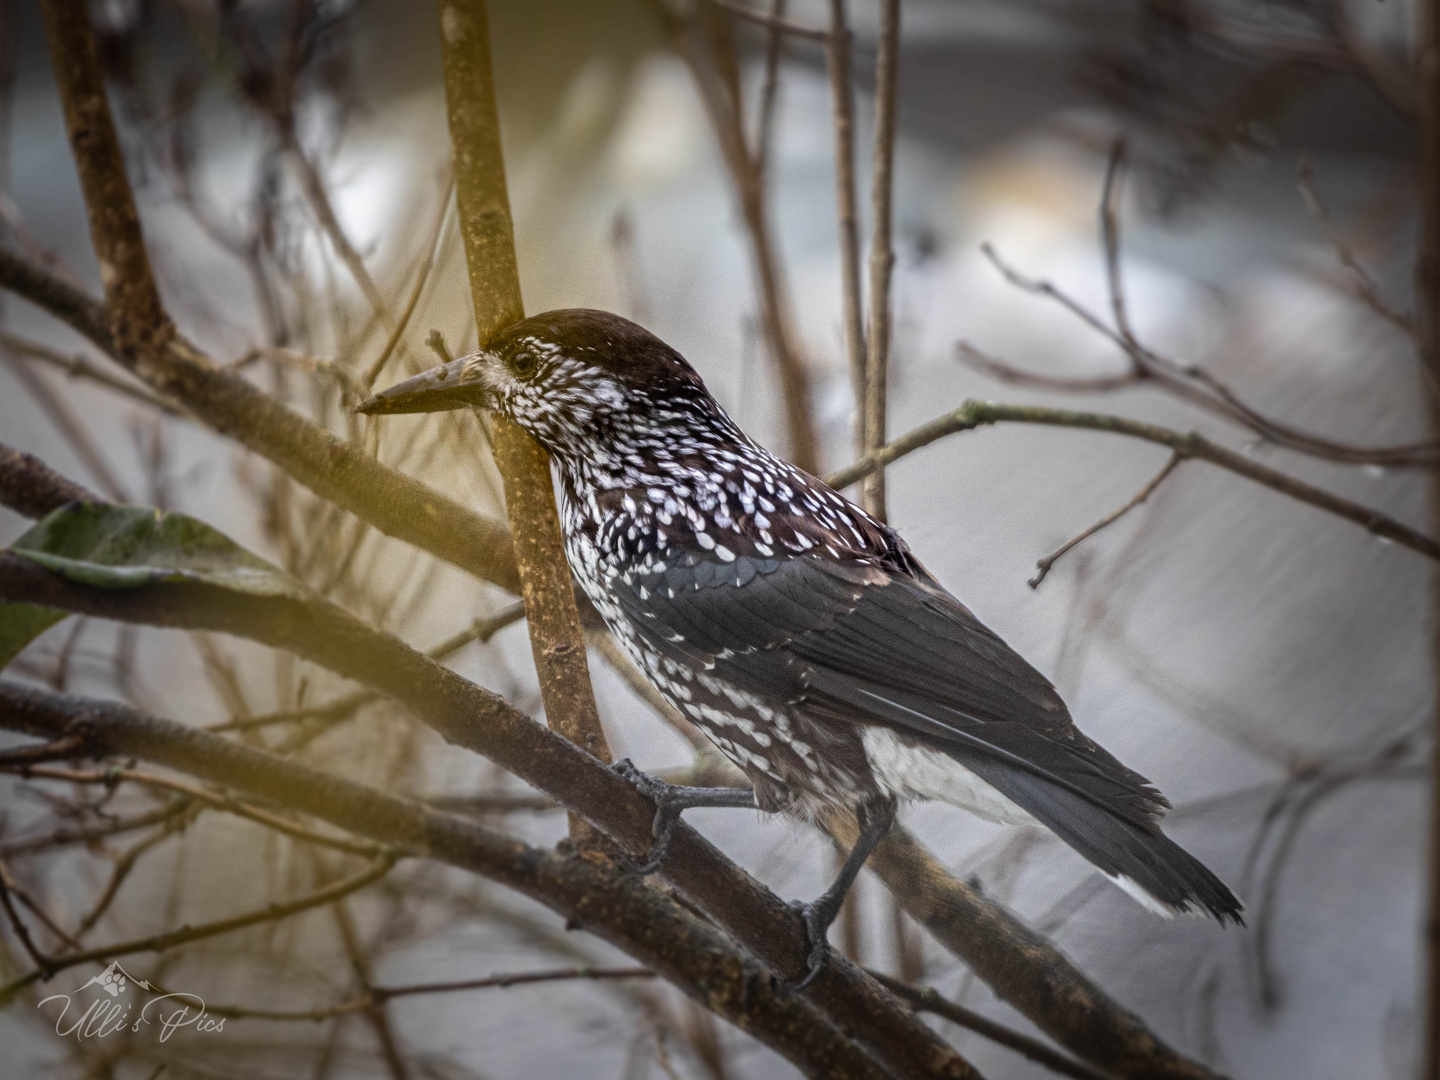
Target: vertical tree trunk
{"x":556,"y":639}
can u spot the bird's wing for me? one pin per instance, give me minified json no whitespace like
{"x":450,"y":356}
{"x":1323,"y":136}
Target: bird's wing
{"x":854,"y":643}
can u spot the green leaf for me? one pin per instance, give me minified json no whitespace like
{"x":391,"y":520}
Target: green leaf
{"x":126,"y":547}
{"x":21,"y":624}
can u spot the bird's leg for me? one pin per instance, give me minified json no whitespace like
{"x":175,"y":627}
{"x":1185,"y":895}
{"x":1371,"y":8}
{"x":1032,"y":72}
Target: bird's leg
{"x":875,"y":818}
{"x":671,"y":800}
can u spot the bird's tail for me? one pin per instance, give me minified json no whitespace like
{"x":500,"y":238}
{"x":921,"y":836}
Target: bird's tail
{"x":1144,"y":862}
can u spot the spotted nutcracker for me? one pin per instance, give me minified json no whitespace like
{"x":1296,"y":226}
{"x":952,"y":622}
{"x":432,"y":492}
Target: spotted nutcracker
{"x":799,"y":633}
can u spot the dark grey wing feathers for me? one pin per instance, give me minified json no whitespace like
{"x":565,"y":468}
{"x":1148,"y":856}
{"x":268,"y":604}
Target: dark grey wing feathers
{"x":856,"y":638}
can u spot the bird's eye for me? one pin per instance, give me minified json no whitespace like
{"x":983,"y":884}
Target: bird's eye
{"x":523,"y":364}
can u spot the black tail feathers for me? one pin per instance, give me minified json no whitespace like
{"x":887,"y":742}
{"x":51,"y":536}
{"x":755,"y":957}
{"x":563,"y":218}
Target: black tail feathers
{"x":1146,"y":863}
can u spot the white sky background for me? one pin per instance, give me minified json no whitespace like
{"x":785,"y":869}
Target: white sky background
{"x":1218,"y":608}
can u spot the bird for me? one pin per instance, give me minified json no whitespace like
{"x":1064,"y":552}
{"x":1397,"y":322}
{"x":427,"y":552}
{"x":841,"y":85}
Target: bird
{"x":798,"y":632}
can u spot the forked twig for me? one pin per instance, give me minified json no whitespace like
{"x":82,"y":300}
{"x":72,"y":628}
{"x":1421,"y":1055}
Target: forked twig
{"x":1043,"y":566}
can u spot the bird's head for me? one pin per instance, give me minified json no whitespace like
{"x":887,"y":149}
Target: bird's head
{"x":586,"y":384}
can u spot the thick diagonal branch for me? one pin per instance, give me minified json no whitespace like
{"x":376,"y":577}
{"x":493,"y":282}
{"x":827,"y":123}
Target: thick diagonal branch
{"x":587,"y":890}
{"x":473,"y":717}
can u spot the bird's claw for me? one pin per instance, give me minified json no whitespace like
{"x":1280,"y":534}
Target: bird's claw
{"x":816,"y":929}
{"x":666,"y":814}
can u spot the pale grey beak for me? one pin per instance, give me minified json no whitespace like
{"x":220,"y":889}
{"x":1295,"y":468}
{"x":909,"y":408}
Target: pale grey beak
{"x":440,"y":388}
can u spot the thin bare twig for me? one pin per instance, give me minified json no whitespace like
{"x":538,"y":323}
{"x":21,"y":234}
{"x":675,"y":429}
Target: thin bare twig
{"x":1043,"y":566}
{"x":377,"y":994}
{"x":219,"y":800}
{"x":185,"y":935}
{"x":842,"y":116}
{"x":8,"y":890}
{"x":927,"y":999}
{"x":725,"y":109}
{"x":882,"y":256}
{"x":1361,"y":281}
{"x":77,"y":367}
{"x":432,"y":253}
{"x":120,"y":872}
{"x":319,"y":199}
{"x":772,"y":21}
{"x":481,"y":630}
{"x":1005,"y":372}
{"x":769,"y":95}
{"x":77,"y":434}
{"x":1194,"y":384}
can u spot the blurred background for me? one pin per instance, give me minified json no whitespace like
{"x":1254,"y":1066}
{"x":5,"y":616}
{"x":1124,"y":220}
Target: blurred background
{"x":1268,"y":666}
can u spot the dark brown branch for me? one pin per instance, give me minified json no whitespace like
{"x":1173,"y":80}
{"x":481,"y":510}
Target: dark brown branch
{"x":1043,"y":566}
{"x":556,"y":640}
{"x":587,"y":889}
{"x":30,"y":487}
{"x":136,"y":316}
{"x":973,"y":414}
{"x":927,"y":999}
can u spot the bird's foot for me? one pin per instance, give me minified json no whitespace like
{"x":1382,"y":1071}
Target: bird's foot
{"x":817,"y":926}
{"x":671,"y":800}
{"x":667,"y":813}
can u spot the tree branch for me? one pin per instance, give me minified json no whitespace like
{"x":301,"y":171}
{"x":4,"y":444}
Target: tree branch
{"x":882,"y":256}
{"x":973,"y":414}
{"x":386,"y":498}
{"x":842,"y":119}
{"x":587,"y":889}
{"x":927,"y":999}
{"x":1044,"y":565}
{"x":556,"y":640}
{"x":1023,"y":968}
{"x":137,"y":317}
{"x":171,"y":939}
{"x":30,"y":487}
{"x":771,"y":21}
{"x":474,"y":718}
{"x":378,"y":994}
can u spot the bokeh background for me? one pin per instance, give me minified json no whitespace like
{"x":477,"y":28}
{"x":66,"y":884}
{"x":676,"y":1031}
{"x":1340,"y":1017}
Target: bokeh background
{"x":1267,"y":666}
